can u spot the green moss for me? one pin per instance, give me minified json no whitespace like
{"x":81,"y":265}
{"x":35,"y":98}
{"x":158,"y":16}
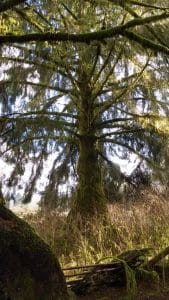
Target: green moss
{"x":90,"y":200}
{"x":150,"y":277}
{"x":29,"y":270}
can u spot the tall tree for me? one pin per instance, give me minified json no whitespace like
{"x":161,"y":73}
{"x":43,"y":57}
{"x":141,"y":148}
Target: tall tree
{"x":90,"y":83}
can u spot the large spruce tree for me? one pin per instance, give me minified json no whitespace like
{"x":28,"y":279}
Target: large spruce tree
{"x":85,"y":80}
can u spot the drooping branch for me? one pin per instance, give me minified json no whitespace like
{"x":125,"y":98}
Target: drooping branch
{"x":30,"y":20}
{"x":95,"y":61}
{"x":109,"y":122}
{"x":143,"y":4}
{"x":147,"y":43}
{"x":107,"y":104}
{"x":123,"y":4}
{"x":35,"y":175}
{"x":39,"y":15}
{"x":121,"y":83}
{"x":49,"y":123}
{"x":47,"y":65}
{"x":39,"y":84}
{"x":42,"y":112}
{"x":49,"y":62}
{"x":69,"y":11}
{"x":132,"y":150}
{"x":144,"y":117}
{"x":111,"y":71}
{"x":61,"y":139}
{"x":121,"y":132}
{"x":103,"y":66}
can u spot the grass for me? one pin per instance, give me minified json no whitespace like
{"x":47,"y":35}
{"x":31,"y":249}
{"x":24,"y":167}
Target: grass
{"x":144,"y":223}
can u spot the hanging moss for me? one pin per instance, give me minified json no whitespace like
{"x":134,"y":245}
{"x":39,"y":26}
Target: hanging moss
{"x":29,"y":270}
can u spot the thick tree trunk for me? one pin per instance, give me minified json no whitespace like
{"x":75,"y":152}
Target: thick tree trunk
{"x":90,"y":200}
{"x":28,"y":268}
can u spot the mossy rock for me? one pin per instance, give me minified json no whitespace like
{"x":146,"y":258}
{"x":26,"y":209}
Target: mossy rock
{"x":28,"y":268}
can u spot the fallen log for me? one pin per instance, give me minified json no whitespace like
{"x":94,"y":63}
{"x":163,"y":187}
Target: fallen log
{"x":110,"y":274}
{"x":89,"y":278}
{"x":157,"y":258}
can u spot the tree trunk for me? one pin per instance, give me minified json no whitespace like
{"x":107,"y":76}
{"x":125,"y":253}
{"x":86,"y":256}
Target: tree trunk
{"x":90,"y":200}
{"x":28,"y":268}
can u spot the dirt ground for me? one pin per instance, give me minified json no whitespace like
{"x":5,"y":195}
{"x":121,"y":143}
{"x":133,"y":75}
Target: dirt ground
{"x":143,"y":293}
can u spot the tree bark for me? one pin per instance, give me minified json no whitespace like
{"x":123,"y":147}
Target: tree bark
{"x":28,"y":268}
{"x":90,"y":201}
{"x":124,"y":30}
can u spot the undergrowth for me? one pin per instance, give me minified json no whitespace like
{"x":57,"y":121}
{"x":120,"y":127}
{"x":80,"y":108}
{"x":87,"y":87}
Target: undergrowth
{"x":144,"y":223}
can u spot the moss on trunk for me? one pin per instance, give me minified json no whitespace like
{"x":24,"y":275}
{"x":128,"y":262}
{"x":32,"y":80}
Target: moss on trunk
{"x":28,"y":268}
{"x":90,"y":200}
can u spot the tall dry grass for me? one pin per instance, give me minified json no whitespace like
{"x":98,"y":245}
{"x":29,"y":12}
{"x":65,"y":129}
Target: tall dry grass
{"x":144,"y":223}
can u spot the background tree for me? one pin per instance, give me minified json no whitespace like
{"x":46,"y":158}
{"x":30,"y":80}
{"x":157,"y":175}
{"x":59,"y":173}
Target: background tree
{"x":83,"y":102}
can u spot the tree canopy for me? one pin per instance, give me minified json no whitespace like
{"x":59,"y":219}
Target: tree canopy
{"x":83,"y":81}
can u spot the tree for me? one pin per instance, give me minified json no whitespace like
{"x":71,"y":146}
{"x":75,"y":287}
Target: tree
{"x":106,"y":65}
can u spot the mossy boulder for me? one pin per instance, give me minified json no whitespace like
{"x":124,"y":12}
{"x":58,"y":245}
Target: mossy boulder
{"x":28,"y":268}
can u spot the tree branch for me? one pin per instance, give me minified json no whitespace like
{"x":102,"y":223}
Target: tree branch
{"x":114,"y":141}
{"x":30,"y":20}
{"x":103,"y":66}
{"x":44,"y":113}
{"x":91,"y":36}
{"x":29,"y":139}
{"x":107,"y":104}
{"x":144,"y":42}
{"x":110,"y":121}
{"x":127,"y":131}
{"x":147,"y":5}
{"x":10,"y":4}
{"x":30,"y":120}
{"x":43,"y":85}
{"x":111,"y":71}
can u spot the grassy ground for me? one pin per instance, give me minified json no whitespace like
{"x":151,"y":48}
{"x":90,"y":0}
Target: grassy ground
{"x":142,"y":224}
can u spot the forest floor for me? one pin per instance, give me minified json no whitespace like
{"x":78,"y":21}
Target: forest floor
{"x":120,"y":294}
{"x":140,"y":224}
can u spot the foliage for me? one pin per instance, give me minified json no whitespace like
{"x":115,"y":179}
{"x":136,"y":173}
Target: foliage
{"x":80,"y":76}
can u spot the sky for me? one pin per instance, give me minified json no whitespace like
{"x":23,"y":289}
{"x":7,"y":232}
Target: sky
{"x":126,"y":167}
